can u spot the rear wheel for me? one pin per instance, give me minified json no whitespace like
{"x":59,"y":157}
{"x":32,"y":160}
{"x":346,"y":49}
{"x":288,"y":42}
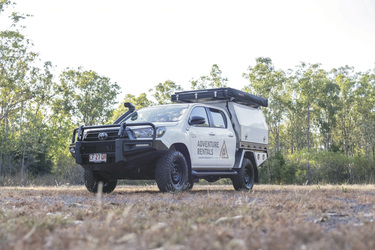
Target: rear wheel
{"x":244,"y":180}
{"x":172,"y":172}
{"x":92,"y":180}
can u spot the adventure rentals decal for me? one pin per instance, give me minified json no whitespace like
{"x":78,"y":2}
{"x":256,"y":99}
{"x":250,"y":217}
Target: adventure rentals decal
{"x":207,"y":148}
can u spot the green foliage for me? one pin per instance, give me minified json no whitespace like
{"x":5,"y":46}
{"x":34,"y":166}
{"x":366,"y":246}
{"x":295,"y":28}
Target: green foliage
{"x":214,"y":80}
{"x":139,"y":102}
{"x":276,"y":170}
{"x":4,"y":4}
{"x":163,"y":91}
{"x":269,"y":83}
{"x":86,"y":96}
{"x":361,"y":170}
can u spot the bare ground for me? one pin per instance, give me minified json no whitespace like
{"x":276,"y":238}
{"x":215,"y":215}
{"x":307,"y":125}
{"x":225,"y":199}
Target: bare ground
{"x":208,"y":217}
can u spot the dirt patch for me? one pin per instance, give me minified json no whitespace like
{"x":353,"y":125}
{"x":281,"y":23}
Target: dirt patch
{"x":208,"y":217}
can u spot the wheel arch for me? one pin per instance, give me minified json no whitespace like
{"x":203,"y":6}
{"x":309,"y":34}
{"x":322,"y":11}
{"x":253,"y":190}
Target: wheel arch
{"x":250,"y":155}
{"x":184,"y":150}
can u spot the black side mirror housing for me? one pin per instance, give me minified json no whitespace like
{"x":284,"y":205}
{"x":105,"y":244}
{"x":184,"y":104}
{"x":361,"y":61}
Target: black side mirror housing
{"x":197,"y":120}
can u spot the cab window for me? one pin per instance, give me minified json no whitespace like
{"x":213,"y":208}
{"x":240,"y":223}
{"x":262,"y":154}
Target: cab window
{"x":218,"y":118}
{"x":200,"y":112}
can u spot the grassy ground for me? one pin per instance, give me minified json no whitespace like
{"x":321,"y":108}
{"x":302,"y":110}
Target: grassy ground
{"x":208,"y":217}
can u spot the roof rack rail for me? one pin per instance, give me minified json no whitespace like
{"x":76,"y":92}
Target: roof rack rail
{"x":228,"y":94}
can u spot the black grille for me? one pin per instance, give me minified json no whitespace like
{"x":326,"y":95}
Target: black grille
{"x":94,"y":135}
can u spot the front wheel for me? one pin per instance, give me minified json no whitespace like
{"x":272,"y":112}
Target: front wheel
{"x":244,"y":180}
{"x":92,"y":180}
{"x":172,"y":172}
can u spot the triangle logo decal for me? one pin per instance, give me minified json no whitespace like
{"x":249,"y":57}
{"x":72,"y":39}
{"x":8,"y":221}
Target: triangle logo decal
{"x":224,"y":152}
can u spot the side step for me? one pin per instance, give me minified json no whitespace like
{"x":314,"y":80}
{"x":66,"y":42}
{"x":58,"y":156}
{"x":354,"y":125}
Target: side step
{"x":211,"y":173}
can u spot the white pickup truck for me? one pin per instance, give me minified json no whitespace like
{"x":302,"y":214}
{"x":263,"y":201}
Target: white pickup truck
{"x":209,"y":134}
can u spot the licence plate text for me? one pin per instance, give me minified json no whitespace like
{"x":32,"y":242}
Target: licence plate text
{"x":98,"y":158}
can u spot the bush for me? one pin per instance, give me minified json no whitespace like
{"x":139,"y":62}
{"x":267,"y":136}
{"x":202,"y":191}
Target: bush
{"x":362,"y":170}
{"x":277,"y":171}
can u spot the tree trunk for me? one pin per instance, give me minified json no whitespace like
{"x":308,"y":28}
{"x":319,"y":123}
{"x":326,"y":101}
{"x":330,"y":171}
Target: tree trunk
{"x":3,"y":141}
{"x":1,"y":153}
{"x":277,"y":140}
{"x":291,"y":145}
{"x":23,"y":160}
{"x":327,"y":142}
{"x":308,"y":127}
{"x":308,"y":144}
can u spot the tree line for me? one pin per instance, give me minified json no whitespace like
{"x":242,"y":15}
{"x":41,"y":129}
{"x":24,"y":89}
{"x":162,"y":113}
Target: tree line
{"x":322,"y":123}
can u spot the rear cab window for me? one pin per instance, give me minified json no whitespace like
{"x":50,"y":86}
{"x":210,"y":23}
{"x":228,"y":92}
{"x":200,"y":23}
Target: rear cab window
{"x":218,"y":118}
{"x":213,"y":117}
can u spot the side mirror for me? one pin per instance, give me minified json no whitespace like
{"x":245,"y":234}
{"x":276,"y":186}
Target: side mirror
{"x":197,"y":120}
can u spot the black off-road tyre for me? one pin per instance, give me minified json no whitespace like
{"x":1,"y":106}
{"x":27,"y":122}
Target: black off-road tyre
{"x":172,"y":172}
{"x":244,"y":180}
{"x":92,"y":180}
{"x":190,"y":183}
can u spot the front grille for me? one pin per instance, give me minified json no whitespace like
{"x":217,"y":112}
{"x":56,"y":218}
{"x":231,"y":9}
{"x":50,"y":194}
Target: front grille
{"x":94,"y":135}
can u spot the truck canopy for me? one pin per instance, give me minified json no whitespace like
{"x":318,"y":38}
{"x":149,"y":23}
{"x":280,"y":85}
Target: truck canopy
{"x":228,"y":94}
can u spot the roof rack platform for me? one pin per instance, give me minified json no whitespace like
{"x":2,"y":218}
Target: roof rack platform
{"x":228,"y":94}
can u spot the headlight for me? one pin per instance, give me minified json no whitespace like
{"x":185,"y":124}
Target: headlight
{"x":149,"y":132}
{"x":72,"y":150}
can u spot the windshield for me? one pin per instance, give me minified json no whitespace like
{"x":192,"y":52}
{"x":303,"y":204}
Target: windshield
{"x":169,"y":113}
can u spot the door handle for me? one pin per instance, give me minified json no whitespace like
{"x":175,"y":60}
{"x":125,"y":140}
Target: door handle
{"x":212,"y":133}
{"x":193,"y":135}
{"x":231,"y":135}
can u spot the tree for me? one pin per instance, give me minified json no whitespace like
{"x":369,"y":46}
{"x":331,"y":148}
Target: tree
{"x":345,"y":78}
{"x":365,"y":93}
{"x":139,"y":102}
{"x":214,"y":80}
{"x":4,"y":4}
{"x":269,"y":83}
{"x":21,"y":86}
{"x":327,"y":106}
{"x":163,"y":91}
{"x":16,"y":72}
{"x":86,"y":96}
{"x":309,"y":79}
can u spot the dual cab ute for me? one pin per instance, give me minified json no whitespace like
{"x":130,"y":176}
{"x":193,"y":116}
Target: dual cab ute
{"x":209,"y":134}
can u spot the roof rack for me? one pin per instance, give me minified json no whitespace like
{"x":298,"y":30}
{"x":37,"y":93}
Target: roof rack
{"x":228,"y":94}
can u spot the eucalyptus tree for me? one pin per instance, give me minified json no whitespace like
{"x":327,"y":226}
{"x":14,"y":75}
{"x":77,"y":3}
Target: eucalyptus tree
{"x":213,"y":80}
{"x":309,"y":80}
{"x":86,"y":96}
{"x":365,"y":94}
{"x":24,"y":90}
{"x":140,"y":101}
{"x":162,"y":92}
{"x":345,"y":78}
{"x":327,"y":107}
{"x":267,"y":82}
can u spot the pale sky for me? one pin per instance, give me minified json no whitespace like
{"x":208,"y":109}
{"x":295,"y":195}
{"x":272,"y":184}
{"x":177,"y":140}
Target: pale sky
{"x":141,"y":43}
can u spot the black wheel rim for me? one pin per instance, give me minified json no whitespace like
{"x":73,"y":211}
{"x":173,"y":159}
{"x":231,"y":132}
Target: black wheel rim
{"x":248,"y":178}
{"x":177,"y":174}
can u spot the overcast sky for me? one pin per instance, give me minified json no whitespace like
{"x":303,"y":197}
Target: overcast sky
{"x":139,"y":44}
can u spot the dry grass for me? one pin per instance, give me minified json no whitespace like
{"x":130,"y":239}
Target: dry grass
{"x":208,"y":217}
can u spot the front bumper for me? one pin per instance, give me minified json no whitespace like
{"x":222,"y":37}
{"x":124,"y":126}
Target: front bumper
{"x":119,"y":151}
